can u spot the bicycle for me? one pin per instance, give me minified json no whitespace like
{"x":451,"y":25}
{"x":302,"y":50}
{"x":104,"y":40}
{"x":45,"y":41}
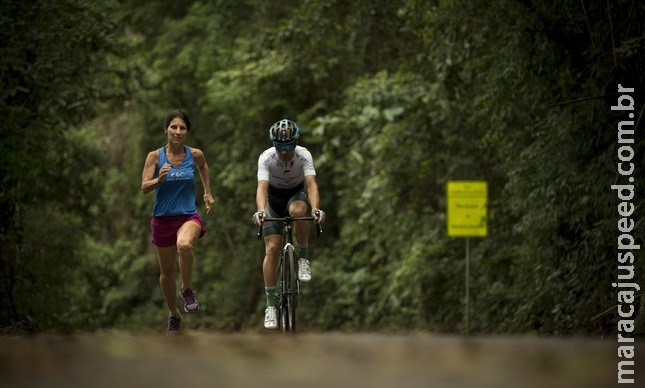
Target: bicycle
{"x":289,"y":289}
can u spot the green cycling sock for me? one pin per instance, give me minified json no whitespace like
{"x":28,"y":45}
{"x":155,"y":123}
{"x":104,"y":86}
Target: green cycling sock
{"x":270,"y":291}
{"x":303,"y":252}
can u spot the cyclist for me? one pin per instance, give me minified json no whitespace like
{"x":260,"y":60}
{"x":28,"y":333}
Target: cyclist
{"x":286,"y":187}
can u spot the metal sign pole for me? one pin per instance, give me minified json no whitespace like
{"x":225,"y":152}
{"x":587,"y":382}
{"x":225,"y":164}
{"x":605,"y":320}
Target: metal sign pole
{"x":467,"y":313}
{"x":466,"y":217}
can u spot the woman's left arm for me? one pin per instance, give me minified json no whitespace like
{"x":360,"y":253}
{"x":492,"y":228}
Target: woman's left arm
{"x":202,"y":167}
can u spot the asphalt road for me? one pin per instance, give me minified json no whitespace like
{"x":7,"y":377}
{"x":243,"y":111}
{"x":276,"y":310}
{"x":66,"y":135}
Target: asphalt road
{"x":270,"y":359}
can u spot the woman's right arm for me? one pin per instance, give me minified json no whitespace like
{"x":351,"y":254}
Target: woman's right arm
{"x":148,"y":181}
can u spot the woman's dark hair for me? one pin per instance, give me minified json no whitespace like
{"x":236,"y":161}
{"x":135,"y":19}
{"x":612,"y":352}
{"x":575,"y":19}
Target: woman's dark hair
{"x":174,"y":114}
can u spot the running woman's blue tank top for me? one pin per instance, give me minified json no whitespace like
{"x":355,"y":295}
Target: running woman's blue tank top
{"x":176,"y":195}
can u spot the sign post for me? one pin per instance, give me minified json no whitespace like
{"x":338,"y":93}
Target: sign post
{"x":467,"y":217}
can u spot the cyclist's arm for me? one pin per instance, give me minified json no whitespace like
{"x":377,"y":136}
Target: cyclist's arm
{"x":261,"y":195}
{"x":312,"y":191}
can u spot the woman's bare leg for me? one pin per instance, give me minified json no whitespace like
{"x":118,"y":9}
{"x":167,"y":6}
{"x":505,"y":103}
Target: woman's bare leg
{"x":186,"y":237}
{"x":167,"y":257}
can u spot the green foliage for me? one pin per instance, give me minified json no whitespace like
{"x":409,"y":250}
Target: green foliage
{"x":394,"y":98}
{"x":52,"y":73}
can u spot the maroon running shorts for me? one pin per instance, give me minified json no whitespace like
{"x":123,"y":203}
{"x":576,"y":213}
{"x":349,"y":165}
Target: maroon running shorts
{"x":165,"y":228}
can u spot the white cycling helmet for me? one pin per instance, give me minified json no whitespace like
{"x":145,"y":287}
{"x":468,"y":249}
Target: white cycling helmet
{"x":284,"y":131}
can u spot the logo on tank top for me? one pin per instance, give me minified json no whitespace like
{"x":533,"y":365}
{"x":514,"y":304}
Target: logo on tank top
{"x":178,"y":175}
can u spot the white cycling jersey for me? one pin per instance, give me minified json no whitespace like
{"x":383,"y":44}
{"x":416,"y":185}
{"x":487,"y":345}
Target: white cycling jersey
{"x":285,"y":176}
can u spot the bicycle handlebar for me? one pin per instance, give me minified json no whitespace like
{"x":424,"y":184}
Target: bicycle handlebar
{"x":289,"y":220}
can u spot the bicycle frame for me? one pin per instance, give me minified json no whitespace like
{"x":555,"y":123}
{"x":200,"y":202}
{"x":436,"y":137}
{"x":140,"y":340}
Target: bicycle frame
{"x":287,"y":273}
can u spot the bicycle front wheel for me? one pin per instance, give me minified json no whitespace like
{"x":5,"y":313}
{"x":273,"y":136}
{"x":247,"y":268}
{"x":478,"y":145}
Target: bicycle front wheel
{"x":290,"y":287}
{"x":284,"y":295}
{"x":283,"y":305}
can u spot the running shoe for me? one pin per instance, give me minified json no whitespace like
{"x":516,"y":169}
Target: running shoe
{"x":304,"y":270}
{"x":174,"y":324}
{"x":190,"y":303}
{"x":270,"y":318}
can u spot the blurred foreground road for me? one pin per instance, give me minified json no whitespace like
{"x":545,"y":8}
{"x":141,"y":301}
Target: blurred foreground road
{"x":268,"y":359}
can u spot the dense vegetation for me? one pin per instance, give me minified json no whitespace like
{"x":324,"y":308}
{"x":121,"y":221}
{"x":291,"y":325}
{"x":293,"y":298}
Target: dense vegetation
{"x":394,"y":98}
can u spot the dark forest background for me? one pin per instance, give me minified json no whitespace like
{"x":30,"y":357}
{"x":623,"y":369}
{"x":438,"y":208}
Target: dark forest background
{"x":394,"y":99}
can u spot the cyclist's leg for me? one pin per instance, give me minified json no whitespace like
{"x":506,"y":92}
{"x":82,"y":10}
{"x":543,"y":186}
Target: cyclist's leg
{"x":272,"y":249}
{"x":270,"y":264}
{"x":299,"y":207}
{"x":270,"y":273}
{"x":272,"y":232}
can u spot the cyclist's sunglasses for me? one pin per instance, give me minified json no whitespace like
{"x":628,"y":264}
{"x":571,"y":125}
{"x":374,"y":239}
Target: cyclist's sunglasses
{"x":288,"y":147}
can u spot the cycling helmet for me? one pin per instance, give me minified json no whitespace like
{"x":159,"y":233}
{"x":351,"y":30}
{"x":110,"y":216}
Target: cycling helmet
{"x":284,"y":132}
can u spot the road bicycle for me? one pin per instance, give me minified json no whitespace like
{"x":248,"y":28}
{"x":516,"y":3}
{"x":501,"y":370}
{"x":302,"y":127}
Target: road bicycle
{"x":289,"y":285}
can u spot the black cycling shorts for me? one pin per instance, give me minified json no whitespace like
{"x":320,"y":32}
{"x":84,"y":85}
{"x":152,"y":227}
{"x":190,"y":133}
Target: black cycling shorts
{"x":278,"y":206}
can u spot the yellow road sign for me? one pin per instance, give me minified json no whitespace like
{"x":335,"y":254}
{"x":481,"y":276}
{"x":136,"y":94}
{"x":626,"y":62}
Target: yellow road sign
{"x":466,"y":209}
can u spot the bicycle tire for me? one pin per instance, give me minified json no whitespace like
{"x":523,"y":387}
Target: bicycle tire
{"x":281,"y":295}
{"x":284,"y":292}
{"x":292,"y":295}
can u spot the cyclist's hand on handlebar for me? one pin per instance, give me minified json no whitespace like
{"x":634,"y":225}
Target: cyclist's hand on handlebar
{"x":258,"y":217}
{"x":318,"y":215}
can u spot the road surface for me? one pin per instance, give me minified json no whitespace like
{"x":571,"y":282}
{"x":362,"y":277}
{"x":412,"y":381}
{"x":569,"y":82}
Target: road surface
{"x":269,"y":359}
